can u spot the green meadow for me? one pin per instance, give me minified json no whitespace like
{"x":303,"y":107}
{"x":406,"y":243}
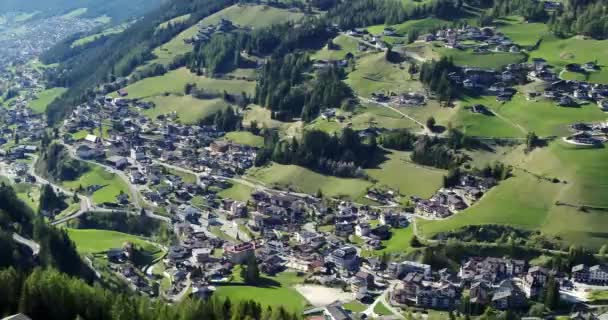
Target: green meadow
{"x":189,"y":109}
{"x":44,"y":98}
{"x":111,"y":184}
{"x":271,"y":291}
{"x":173,"y":82}
{"x":559,"y":52}
{"x":245,"y":138}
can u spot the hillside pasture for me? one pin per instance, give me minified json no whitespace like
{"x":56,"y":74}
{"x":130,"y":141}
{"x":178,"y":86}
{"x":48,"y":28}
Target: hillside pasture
{"x":374,"y":73}
{"x":173,"y":82}
{"x":559,"y":52}
{"x":189,"y":109}
{"x":44,"y":98}
{"x":110,"y":183}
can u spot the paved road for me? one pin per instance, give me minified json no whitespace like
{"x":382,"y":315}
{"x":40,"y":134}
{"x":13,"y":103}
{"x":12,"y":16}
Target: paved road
{"x":134,"y":193}
{"x":34,"y":246}
{"x":382,"y":299}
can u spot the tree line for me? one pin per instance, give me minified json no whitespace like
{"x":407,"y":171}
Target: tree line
{"x":340,"y":155}
{"x":288,"y":92}
{"x":48,"y":294}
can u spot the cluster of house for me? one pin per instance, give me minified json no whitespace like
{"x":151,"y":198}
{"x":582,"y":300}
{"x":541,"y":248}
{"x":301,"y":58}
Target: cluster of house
{"x":486,"y":39}
{"x":588,"y":134}
{"x":205,"y":32}
{"x":409,"y":99}
{"x":593,"y":275}
{"x":121,"y":263}
{"x":448,"y":201}
{"x":21,"y":130}
{"x":568,"y":93}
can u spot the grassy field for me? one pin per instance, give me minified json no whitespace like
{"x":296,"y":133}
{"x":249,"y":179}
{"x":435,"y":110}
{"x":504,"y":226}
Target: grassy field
{"x":237,"y":191}
{"x":493,"y":60}
{"x":355,"y":306}
{"x":45,"y":98}
{"x":173,"y":82}
{"x":521,"y":33}
{"x":402,"y":29}
{"x":96,"y":241}
{"x":345,"y":44}
{"x":255,"y":16}
{"x":373,"y":73}
{"x":308,"y":181}
{"x":29,"y":194}
{"x":179,"y":19}
{"x":262,"y":117}
{"x":107,"y":32}
{"x":399,"y":243}
{"x":542,"y":117}
{"x":559,"y":52}
{"x":245,"y":138}
{"x":475,"y":124}
{"x":382,"y":310}
{"x":528,"y":200}
{"x":111,"y":184}
{"x":189,"y":109}
{"x":410,"y":179}
{"x":272,"y":291}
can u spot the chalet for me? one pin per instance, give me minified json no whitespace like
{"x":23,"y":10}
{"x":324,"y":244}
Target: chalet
{"x":534,"y":281}
{"x":507,"y":296}
{"x":603,"y":105}
{"x":566,"y":101}
{"x":118,"y":162}
{"x":123,"y":92}
{"x":85,"y":152}
{"x":590,"y":66}
{"x":389,"y":31}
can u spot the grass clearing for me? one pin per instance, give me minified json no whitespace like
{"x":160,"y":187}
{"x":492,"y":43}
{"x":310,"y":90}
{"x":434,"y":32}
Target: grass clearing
{"x":307,"y":181}
{"x":237,"y":191}
{"x":410,"y":179}
{"x":373,"y":73}
{"x":524,"y":34}
{"x":245,"y":138}
{"x":107,"y":32}
{"x":189,"y":109}
{"x":271,"y":291}
{"x":111,"y":184}
{"x":96,"y":241}
{"x":173,"y":82}
{"x":44,"y":98}
{"x":402,"y":29}
{"x":346,"y":44}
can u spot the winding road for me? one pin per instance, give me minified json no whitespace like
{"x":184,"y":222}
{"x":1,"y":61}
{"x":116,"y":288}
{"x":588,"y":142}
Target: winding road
{"x":33,"y":245}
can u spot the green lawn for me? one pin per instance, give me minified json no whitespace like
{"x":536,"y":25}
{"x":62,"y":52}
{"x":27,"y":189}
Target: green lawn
{"x":186,"y":176}
{"x":111,"y":184}
{"x":44,"y":98}
{"x":559,"y":52}
{"x":245,"y":138}
{"x":189,"y":109}
{"x":399,"y":243}
{"x":410,"y":179}
{"x":382,"y":310}
{"x":173,"y":82}
{"x":598,"y":295}
{"x":272,"y":291}
{"x":524,"y":34}
{"x":96,"y":241}
{"x":29,"y":194}
{"x":308,"y":181}
{"x":354,"y":306}
{"x":373,"y":73}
